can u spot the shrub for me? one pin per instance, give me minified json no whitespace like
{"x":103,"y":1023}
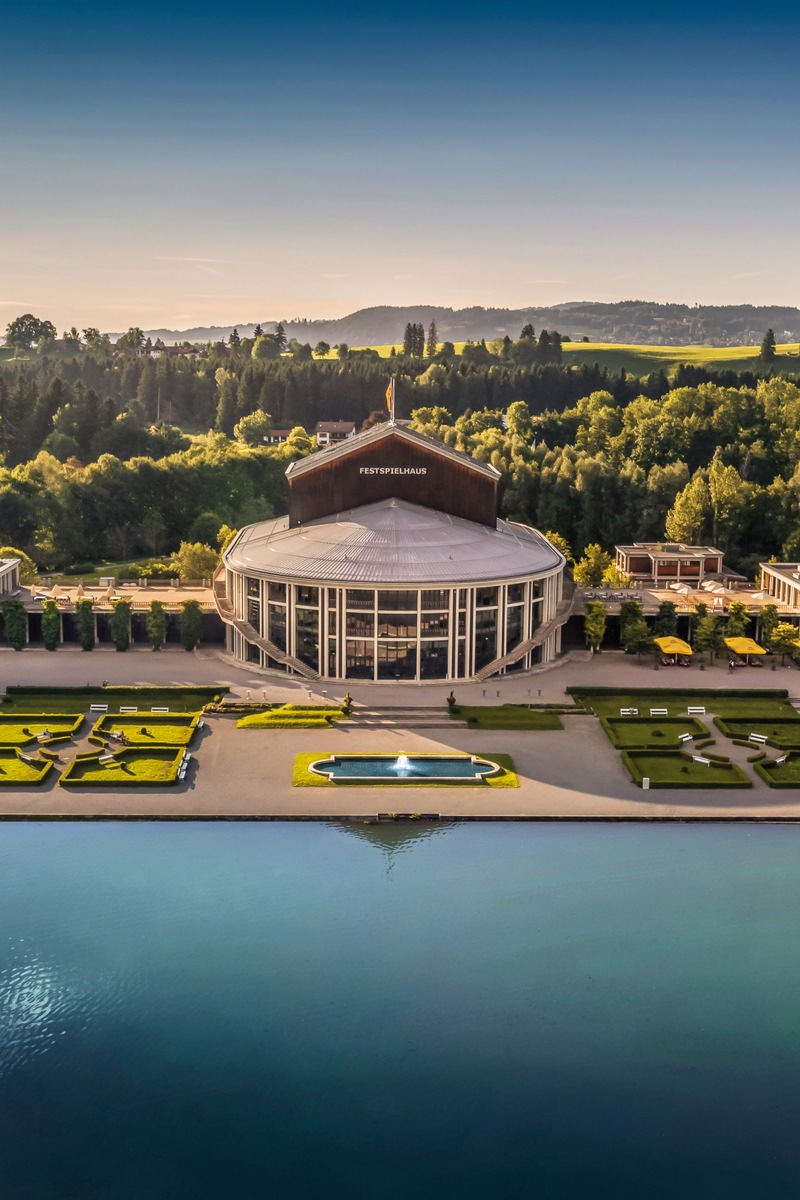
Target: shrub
{"x":120,"y":624}
{"x":190,"y":624}
{"x":84,"y":619}
{"x":156,"y":625}
{"x":27,"y":567}
{"x":51,"y":625}
{"x":15,"y":621}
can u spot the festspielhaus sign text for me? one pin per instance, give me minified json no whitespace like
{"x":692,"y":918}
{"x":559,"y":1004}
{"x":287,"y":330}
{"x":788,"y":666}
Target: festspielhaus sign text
{"x":393,"y":470}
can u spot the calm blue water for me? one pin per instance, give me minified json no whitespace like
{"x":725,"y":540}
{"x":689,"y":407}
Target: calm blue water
{"x":243,"y":1011}
{"x":366,"y":766}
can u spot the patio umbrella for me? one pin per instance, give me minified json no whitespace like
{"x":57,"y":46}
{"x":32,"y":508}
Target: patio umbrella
{"x":744,"y":646}
{"x":672,"y":645}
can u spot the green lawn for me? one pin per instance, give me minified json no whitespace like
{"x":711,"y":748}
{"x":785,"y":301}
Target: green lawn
{"x":79,"y":700}
{"x":302,"y":777}
{"x":629,"y":733}
{"x":131,"y":768}
{"x":673,"y":769}
{"x":505,"y":716}
{"x":150,"y":729}
{"x":780,"y":775}
{"x":19,"y":729}
{"x":293,"y":716}
{"x":642,"y":360}
{"x":727,"y":702}
{"x":15,"y":772}
{"x":782,"y":733}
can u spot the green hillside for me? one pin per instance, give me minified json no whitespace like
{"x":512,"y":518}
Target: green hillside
{"x":641,"y":360}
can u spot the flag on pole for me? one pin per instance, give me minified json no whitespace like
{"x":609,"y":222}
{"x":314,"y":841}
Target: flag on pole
{"x":390,"y":399}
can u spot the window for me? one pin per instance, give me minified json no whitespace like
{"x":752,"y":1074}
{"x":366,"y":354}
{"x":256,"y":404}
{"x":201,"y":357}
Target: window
{"x":434,"y":599}
{"x":277,"y":591}
{"x":485,"y":638}
{"x":277,"y":625}
{"x":360,"y":625}
{"x":306,"y":595}
{"x":435,"y":626}
{"x":406,"y":601}
{"x":306,"y":624}
{"x":514,"y":627}
{"x":253,"y":587}
{"x":516,"y":593}
{"x":433,"y":660}
{"x":397,"y":660}
{"x":395,"y":625}
{"x":359,"y":660}
{"x":485,"y":597}
{"x":360,"y":599}
{"x":254,"y":614}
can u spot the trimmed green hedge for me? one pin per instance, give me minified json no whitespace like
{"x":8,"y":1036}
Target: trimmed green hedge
{"x":291,"y":716}
{"x":504,"y":716}
{"x":78,"y":699}
{"x":15,"y":772}
{"x":650,"y":733}
{"x":20,"y":729}
{"x":163,"y":729}
{"x":781,"y":732}
{"x":780,"y":775}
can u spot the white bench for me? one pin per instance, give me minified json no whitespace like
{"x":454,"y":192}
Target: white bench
{"x":154,"y":709}
{"x":105,"y":759}
{"x":685,"y":737}
{"x":200,"y":723}
{"x":699,"y":758}
{"x":659,"y":712}
{"x":697,"y":710}
{"x":782,"y":758}
{"x":98,"y":708}
{"x":26,"y":758}
{"x":758,"y":738}
{"x":629,"y":712}
{"x":129,"y":710}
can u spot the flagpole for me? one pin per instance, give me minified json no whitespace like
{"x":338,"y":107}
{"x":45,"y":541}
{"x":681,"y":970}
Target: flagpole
{"x":391,"y":415}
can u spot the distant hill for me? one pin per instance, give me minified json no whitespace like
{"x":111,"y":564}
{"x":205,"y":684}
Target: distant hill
{"x":628,"y":321}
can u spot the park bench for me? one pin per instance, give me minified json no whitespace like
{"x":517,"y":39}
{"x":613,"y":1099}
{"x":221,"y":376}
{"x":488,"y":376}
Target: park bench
{"x":782,"y":758}
{"x":659,"y":712}
{"x":697,"y":710}
{"x":98,"y":708}
{"x":699,"y":758}
{"x":128,"y":710}
{"x":26,"y":758}
{"x":629,"y":712}
{"x":105,"y":759}
{"x":685,"y":737}
{"x":154,"y":709}
{"x":758,"y":738}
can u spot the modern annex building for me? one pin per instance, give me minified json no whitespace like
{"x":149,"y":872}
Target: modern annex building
{"x":391,"y":565}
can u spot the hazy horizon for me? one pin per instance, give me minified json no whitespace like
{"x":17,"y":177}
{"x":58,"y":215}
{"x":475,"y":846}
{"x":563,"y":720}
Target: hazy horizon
{"x":188,"y":168}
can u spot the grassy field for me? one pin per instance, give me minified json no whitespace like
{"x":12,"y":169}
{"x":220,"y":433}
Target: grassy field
{"x":18,"y":729}
{"x":131,"y":768}
{"x":724,"y":703}
{"x":670,"y":769}
{"x":630,"y":733}
{"x":78,"y":700}
{"x":151,"y":729}
{"x":782,"y":734}
{"x":504,"y":716}
{"x":14,"y":770}
{"x":293,"y":716}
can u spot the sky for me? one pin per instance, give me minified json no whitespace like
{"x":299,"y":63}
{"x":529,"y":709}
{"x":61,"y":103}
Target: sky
{"x":182,"y":164}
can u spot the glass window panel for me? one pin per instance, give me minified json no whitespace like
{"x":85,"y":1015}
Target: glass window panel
{"x":306,"y":624}
{"x":485,"y":597}
{"x":356,"y":598}
{"x":331,"y":620}
{"x":359,"y":663}
{"x":461,"y":664}
{"x":462,"y":624}
{"x":307,"y":595}
{"x":514,"y":627}
{"x":277,"y":591}
{"x":360,"y":625}
{"x":405,"y":601}
{"x":393,"y":625}
{"x":254,"y":614}
{"x":462,"y":598}
{"x":433,"y":660}
{"x":435,"y":626}
{"x":516,"y":593}
{"x":277,"y":625}
{"x":435,"y":599}
{"x":397,"y":660}
{"x":485,"y":637}
{"x":253,"y":587}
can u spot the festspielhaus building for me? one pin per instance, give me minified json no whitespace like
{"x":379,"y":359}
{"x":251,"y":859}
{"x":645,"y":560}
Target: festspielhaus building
{"x":391,"y":565}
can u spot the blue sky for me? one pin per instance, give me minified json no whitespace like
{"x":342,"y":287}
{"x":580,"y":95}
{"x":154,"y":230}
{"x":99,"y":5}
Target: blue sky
{"x":195,"y":164}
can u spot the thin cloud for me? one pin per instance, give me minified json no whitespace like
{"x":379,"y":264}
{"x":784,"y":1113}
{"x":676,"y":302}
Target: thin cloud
{"x":220,"y":262}
{"x":747,"y":275}
{"x":561,"y":281}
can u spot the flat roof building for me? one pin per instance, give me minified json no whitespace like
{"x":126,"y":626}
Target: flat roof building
{"x":391,"y":564}
{"x":665,"y":562}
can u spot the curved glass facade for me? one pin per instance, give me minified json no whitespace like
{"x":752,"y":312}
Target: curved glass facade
{"x":391,"y":634}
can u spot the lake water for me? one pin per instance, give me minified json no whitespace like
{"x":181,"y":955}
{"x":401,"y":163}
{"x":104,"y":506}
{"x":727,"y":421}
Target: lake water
{"x":244,"y":1011}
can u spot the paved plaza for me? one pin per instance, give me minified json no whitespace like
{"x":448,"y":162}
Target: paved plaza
{"x":568,"y":774}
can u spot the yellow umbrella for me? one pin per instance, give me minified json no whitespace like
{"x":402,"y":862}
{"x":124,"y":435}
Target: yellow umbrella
{"x":744,"y":646}
{"x":672,"y":645}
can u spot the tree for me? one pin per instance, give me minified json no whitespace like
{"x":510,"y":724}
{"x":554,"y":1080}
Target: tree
{"x":322,"y":350}
{"x":51,"y":625}
{"x":194,"y":560}
{"x":432,"y":343}
{"x":629,"y":610}
{"x":613,"y":577}
{"x":560,"y":543}
{"x":637,"y":637}
{"x":280,"y":336}
{"x":594,"y":623}
{"x":27,"y":330}
{"x":666,"y":622}
{"x":264,"y":347}
{"x":15,"y":623}
{"x":342,"y":351}
{"x":27,"y":567}
{"x":133,"y":340}
{"x":708,"y":635}
{"x":527,"y":334}
{"x":120,"y":624}
{"x":258,"y":332}
{"x":738,"y":620}
{"x":225,"y":537}
{"x":769,"y":622}
{"x":588,"y":572}
{"x":768,"y":351}
{"x":156,"y":624}
{"x":190,"y":623}
{"x":689,"y":519}
{"x":253,"y":429}
{"x":84,"y":620}
{"x":784,"y":639}
{"x":234,"y":341}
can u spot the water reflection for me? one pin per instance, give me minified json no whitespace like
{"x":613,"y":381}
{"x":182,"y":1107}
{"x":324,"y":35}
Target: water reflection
{"x":393,"y":838}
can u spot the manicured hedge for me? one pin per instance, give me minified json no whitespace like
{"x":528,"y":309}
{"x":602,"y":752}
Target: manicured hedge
{"x":78,"y":699}
{"x":163,"y":729}
{"x":505,"y":716}
{"x":650,"y":733}
{"x":15,"y":772}
{"x":781,"y":732}
{"x":156,"y":767}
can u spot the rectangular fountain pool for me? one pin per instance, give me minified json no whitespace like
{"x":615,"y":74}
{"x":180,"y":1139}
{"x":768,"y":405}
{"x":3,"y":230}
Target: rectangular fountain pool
{"x":404,"y":768}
